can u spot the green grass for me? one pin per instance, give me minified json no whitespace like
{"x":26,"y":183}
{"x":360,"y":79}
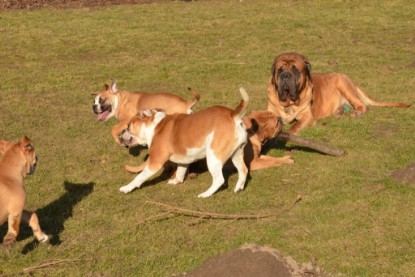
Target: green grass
{"x":353,"y":218}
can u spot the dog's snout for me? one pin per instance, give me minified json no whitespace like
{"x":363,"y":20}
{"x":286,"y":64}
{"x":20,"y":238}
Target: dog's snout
{"x":285,"y":75}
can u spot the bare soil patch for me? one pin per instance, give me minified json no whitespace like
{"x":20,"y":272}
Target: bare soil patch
{"x":405,"y":175}
{"x":253,"y":260}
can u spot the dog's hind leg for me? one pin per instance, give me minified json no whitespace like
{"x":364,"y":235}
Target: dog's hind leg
{"x":179,"y":176}
{"x":31,"y":219}
{"x":13,"y":230}
{"x":238,"y":161}
{"x":349,"y":91}
{"x":215,"y":168}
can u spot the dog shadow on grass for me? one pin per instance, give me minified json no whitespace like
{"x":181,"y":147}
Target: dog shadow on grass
{"x":282,"y":145}
{"x":52,"y":217}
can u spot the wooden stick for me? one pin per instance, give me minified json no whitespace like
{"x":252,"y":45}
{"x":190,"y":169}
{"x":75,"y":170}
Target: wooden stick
{"x":326,"y":149}
{"x":207,"y":215}
{"x":48,"y":263}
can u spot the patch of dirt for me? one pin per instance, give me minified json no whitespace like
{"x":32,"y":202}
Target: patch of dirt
{"x":252,"y":261}
{"x":64,"y":4}
{"x":385,"y":130}
{"x":405,"y":175}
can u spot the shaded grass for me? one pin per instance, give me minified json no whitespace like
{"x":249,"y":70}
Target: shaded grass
{"x":353,"y":217}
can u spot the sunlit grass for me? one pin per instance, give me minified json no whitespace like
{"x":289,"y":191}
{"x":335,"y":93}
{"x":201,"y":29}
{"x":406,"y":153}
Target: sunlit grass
{"x":353,"y":217}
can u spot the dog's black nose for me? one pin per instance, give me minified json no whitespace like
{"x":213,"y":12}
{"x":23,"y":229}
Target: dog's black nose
{"x":285,"y":75}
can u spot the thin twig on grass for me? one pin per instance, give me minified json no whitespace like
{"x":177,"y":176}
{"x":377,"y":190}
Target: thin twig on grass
{"x":48,"y":263}
{"x":208,"y":215}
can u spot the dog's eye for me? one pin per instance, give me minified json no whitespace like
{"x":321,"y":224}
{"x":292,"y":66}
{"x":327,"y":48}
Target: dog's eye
{"x":101,"y":100}
{"x":280,"y":70}
{"x":295,"y":69}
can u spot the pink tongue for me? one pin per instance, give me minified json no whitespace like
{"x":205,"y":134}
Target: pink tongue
{"x":102,"y":116}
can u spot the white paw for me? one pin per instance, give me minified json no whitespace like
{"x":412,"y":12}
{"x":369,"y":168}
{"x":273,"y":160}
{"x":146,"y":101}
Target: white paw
{"x":126,"y":189}
{"x":174,"y":182}
{"x":44,"y":239}
{"x":236,"y":190}
{"x":204,"y":195}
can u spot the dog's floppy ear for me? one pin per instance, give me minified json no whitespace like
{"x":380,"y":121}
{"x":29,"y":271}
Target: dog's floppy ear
{"x":26,"y":144}
{"x":251,"y":130}
{"x":273,"y":81}
{"x":307,"y":68}
{"x":273,"y":69}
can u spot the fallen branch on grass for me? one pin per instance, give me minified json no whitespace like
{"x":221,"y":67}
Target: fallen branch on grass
{"x":48,"y":263}
{"x":326,"y":149}
{"x":207,"y":215}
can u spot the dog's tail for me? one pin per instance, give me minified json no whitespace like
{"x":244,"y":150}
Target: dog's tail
{"x":370,"y":102}
{"x":195,"y":98}
{"x":135,"y":169}
{"x":240,"y":110}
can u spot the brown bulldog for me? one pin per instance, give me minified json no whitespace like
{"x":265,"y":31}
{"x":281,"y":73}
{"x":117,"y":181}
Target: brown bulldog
{"x":261,"y":127}
{"x":298,"y":95}
{"x":124,"y":105}
{"x":19,"y":160}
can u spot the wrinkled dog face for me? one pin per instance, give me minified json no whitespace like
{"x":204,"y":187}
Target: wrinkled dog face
{"x":136,"y":132}
{"x":105,"y":103}
{"x":290,"y":72}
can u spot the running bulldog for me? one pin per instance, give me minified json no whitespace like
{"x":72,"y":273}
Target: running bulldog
{"x":216,"y":133}
{"x":123,"y":105}
{"x":19,"y":160}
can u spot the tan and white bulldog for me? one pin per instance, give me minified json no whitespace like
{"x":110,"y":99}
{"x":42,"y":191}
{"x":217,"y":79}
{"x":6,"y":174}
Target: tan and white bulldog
{"x":123,"y":105}
{"x":261,"y":126}
{"x":19,"y":160}
{"x":302,"y":97}
{"x":215,"y":133}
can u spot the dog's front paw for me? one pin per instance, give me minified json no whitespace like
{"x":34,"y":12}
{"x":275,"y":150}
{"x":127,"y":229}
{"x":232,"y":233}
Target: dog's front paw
{"x":174,"y":182}
{"x":238,"y":189}
{"x":204,"y":195}
{"x":45,"y":238}
{"x":288,"y":160}
{"x":127,"y":189}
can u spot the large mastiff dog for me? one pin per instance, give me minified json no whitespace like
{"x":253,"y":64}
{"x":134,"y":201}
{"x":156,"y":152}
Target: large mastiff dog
{"x":19,"y":160}
{"x":299,"y":96}
{"x":123,"y":105}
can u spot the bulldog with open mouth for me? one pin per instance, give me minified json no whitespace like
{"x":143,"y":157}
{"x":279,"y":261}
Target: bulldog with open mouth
{"x":123,"y":105}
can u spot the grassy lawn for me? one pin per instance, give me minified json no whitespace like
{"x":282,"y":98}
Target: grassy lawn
{"x":353,"y":217}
